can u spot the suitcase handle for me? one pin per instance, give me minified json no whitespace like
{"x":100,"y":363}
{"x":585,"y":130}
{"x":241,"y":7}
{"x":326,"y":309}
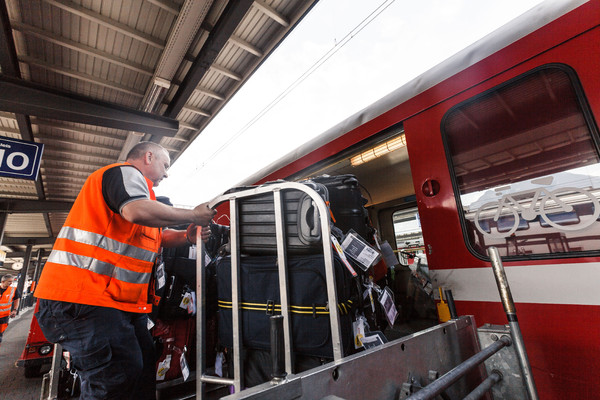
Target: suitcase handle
{"x":309,"y":229}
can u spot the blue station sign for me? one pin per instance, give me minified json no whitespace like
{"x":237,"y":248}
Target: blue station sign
{"x":20,"y":159}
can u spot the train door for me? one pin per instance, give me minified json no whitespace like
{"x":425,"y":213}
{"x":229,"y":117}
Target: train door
{"x":521,"y":172}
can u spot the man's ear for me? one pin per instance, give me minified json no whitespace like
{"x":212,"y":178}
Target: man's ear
{"x":148,"y":158}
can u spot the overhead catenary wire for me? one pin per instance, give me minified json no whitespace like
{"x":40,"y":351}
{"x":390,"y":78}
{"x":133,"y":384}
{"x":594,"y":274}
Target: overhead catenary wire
{"x":338,"y":46}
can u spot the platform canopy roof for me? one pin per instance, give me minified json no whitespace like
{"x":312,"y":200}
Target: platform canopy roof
{"x":90,"y":78}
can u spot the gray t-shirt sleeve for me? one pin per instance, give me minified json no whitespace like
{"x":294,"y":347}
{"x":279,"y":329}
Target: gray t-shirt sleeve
{"x":122,"y":185}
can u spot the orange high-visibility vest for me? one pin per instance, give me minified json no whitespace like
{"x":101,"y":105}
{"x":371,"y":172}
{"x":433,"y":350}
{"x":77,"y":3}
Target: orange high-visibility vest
{"x":6,"y":301}
{"x":99,"y":258}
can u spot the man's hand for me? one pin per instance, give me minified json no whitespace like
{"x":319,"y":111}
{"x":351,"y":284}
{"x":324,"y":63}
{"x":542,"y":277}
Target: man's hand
{"x":203,"y":214}
{"x":191,"y":233}
{"x":13,"y":313}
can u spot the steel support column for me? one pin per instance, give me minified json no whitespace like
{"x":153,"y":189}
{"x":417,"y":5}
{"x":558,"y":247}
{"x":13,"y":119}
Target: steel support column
{"x":3,"y":218}
{"x":38,"y":265}
{"x":23,"y":278}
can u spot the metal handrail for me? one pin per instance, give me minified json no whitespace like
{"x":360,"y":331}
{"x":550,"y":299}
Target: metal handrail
{"x":334,"y":317}
{"x":446,"y":380}
{"x":513,"y":322}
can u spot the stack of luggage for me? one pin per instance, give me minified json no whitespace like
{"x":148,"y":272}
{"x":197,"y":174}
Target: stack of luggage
{"x":359,"y":283}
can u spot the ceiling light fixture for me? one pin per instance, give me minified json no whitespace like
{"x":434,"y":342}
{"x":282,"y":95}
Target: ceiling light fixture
{"x":379,"y":150}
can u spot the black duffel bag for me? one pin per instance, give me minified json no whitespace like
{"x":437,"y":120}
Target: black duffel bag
{"x":259,"y":281}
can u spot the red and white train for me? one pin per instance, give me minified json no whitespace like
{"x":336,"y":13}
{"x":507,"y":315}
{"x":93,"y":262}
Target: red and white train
{"x":497,"y":146}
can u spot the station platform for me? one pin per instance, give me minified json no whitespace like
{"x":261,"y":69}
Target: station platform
{"x":13,"y":384}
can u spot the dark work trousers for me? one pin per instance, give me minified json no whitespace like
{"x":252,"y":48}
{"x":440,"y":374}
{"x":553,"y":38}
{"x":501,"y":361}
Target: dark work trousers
{"x":111,"y":350}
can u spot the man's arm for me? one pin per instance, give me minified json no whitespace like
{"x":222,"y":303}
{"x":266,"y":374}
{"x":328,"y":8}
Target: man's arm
{"x":178,"y":238}
{"x":155,"y":214}
{"x":15,"y":306}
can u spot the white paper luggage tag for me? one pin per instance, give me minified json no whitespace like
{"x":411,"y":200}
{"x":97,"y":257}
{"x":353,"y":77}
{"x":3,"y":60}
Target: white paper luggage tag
{"x":386,"y":299}
{"x":359,"y":250}
{"x":185,"y":370}
{"x":358,"y":328}
{"x":188,"y":303}
{"x":160,"y":276}
{"x":185,"y":301}
{"x":373,"y":339}
{"x":150,"y":324}
{"x":370,"y":287}
{"x":192,"y":252}
{"x":338,"y":248}
{"x":163,"y":367}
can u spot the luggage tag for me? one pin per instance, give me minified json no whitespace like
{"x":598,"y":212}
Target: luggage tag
{"x":386,"y":299}
{"x":163,"y":367}
{"x":359,"y":250}
{"x":192,"y":252}
{"x":161,"y":278}
{"x":370,"y":287}
{"x":150,"y":324}
{"x":359,"y":328}
{"x":185,"y":370}
{"x":185,"y":301}
{"x":192,"y":305}
{"x":188,"y":302}
{"x":338,"y":248}
{"x":373,"y":339}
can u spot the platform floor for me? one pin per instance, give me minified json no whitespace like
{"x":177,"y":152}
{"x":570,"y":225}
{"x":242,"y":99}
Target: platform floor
{"x":13,"y":384}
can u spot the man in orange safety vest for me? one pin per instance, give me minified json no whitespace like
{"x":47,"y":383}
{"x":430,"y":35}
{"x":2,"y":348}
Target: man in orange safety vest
{"x":9,"y":302}
{"x":94,"y":288}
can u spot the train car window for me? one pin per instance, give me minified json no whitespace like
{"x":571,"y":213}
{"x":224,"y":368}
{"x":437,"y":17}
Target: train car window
{"x":409,"y":238}
{"x":526,"y":168}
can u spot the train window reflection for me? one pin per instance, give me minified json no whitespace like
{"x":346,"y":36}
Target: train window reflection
{"x":526,"y":166}
{"x":409,"y":238}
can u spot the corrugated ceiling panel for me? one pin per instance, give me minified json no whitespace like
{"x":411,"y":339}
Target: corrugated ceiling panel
{"x":25,"y":225}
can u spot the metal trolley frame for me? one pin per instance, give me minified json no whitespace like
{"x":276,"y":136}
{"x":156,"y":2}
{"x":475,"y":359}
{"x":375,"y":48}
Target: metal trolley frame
{"x":232,"y":198}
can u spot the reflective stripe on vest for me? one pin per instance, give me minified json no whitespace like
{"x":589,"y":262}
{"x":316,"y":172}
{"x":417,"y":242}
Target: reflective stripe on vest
{"x":97,"y":266}
{"x":103,"y":242}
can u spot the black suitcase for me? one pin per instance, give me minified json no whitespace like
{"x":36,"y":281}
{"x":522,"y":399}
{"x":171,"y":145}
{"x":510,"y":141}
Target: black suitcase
{"x":347,"y":204}
{"x":259,"y":283}
{"x":256,"y":217}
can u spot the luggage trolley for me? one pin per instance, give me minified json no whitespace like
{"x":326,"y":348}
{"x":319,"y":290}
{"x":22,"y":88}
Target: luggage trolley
{"x":276,"y":188}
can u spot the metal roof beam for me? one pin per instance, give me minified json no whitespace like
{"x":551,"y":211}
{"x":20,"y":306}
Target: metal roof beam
{"x":271,"y":13}
{"x":62,"y":127}
{"x":166,"y":5}
{"x":109,"y":23}
{"x":6,"y":129}
{"x":81,"y":48}
{"x":77,"y":129}
{"x":95,"y":165}
{"x":33,"y":99}
{"x":21,"y":254}
{"x":71,"y":173}
{"x":34,"y":206}
{"x":249,"y":47}
{"x":28,"y":240}
{"x":57,"y":140}
{"x":230,"y":18}
{"x":81,"y":76}
{"x":195,"y":110}
{"x":224,"y":71}
{"x":210,"y":93}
